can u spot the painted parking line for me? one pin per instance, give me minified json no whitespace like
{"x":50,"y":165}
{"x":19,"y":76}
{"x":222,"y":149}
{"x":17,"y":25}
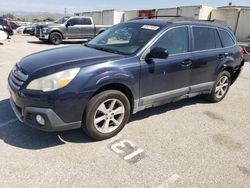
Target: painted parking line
{"x":8,"y":122}
{"x":127,"y":150}
{"x":169,"y":181}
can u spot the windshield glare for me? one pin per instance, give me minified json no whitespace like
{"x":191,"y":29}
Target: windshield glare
{"x":125,"y":38}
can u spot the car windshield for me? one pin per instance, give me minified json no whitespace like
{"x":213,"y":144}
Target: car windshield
{"x":126,"y":38}
{"x":61,"y":20}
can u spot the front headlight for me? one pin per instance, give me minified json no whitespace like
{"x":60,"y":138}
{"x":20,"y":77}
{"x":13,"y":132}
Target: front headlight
{"x":54,"y":81}
{"x":45,"y":30}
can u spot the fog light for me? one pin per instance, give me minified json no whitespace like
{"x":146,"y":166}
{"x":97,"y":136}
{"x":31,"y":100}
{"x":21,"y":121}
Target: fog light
{"x":40,"y":120}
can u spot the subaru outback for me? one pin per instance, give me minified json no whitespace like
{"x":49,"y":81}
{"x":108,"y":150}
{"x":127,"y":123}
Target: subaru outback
{"x":129,"y":67}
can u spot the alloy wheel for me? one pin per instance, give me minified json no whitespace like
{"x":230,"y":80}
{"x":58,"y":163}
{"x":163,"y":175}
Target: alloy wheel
{"x":109,"y":115}
{"x":221,"y":87}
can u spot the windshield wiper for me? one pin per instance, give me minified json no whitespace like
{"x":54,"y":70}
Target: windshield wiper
{"x":105,"y":49}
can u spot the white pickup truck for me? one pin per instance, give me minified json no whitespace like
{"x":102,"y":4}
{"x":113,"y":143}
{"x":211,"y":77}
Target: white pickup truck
{"x":75,"y":27}
{"x":3,"y":35}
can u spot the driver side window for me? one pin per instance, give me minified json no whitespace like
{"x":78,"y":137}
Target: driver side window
{"x":175,"y":41}
{"x":75,"y":21}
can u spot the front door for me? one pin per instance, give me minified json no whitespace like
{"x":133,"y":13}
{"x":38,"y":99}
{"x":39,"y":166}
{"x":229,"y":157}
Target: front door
{"x":165,"y":79}
{"x":74,"y":28}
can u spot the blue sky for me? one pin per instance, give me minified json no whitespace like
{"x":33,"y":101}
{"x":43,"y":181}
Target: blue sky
{"x":89,"y":5}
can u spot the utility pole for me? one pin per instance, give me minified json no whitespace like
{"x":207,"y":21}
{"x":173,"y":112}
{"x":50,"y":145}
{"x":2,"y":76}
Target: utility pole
{"x":65,"y":11}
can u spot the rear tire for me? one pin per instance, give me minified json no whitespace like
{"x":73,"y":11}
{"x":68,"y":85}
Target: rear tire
{"x":55,"y":38}
{"x":220,"y":88}
{"x":106,"y":114}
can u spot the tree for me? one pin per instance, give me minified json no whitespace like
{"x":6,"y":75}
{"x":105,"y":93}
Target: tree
{"x":48,"y":19}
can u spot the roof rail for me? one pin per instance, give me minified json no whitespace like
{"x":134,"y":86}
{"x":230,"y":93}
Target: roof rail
{"x":174,"y":18}
{"x":152,"y":17}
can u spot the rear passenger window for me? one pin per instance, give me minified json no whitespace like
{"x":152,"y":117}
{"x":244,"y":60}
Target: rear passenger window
{"x":86,"y":21}
{"x":226,"y":39}
{"x":206,"y":38}
{"x":175,"y":41}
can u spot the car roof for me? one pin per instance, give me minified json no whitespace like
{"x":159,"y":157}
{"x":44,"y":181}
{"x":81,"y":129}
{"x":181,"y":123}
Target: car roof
{"x":156,"y":22}
{"x":163,"y":23}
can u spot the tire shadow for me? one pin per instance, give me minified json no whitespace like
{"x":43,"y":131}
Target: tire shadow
{"x":19,"y":135}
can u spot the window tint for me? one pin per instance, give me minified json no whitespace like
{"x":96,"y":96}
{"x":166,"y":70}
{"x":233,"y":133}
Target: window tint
{"x":75,"y":21}
{"x":226,"y":39}
{"x":217,"y":39}
{"x":205,"y":38}
{"x":175,"y":41}
{"x":86,"y":21}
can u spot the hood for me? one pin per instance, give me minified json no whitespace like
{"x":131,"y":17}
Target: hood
{"x":50,"y":25}
{"x":78,"y":55}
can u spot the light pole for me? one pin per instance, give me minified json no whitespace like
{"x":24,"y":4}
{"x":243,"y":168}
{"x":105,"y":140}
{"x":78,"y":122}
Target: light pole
{"x":65,"y":11}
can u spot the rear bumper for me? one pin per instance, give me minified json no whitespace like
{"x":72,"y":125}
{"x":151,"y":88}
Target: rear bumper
{"x":52,"y":121}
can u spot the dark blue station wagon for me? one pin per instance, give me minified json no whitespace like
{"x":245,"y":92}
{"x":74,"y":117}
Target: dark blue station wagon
{"x":128,"y":68}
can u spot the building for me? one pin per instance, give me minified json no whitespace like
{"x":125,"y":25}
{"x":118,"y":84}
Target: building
{"x":235,"y":17}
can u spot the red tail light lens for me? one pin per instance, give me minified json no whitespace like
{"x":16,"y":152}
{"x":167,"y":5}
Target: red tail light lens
{"x":241,"y":52}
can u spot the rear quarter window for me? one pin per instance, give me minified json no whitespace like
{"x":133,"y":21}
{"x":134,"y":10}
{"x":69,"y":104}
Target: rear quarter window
{"x":86,"y":21}
{"x":226,"y":39}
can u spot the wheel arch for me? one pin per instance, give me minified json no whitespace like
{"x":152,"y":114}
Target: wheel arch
{"x":226,"y":66}
{"x":101,"y":30}
{"x":231,"y":72}
{"x":56,"y":31}
{"x":119,"y":87}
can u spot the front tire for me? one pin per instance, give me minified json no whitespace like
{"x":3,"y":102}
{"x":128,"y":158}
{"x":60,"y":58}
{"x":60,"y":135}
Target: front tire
{"x":55,"y":38}
{"x":220,"y":87}
{"x":106,"y":114}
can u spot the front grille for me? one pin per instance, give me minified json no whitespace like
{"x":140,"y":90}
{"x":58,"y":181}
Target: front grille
{"x":38,"y":30}
{"x":29,"y":116}
{"x":17,"y":77}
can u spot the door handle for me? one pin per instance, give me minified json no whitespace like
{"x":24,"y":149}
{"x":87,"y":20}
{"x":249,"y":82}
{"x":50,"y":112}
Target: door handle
{"x":186,"y":63}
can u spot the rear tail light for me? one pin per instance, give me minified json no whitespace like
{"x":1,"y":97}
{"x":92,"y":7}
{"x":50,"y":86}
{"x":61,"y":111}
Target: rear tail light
{"x":241,"y":52}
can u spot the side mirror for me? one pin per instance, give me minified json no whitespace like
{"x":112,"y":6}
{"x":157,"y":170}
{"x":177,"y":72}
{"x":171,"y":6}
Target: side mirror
{"x":158,"y":53}
{"x":67,"y":24}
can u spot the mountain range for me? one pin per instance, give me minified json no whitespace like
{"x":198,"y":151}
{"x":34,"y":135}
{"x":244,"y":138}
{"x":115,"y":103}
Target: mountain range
{"x":29,"y":15}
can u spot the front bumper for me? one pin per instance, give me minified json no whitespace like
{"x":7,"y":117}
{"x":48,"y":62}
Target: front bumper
{"x":39,"y":34}
{"x":52,"y":121}
{"x":26,"y":112}
{"x":42,"y":36}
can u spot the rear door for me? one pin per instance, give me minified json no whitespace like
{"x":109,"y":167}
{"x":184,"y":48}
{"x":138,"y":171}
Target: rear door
{"x":207,"y":53}
{"x":87,"y":28}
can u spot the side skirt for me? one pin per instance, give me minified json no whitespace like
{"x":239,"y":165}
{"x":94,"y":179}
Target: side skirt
{"x":172,"y":96}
